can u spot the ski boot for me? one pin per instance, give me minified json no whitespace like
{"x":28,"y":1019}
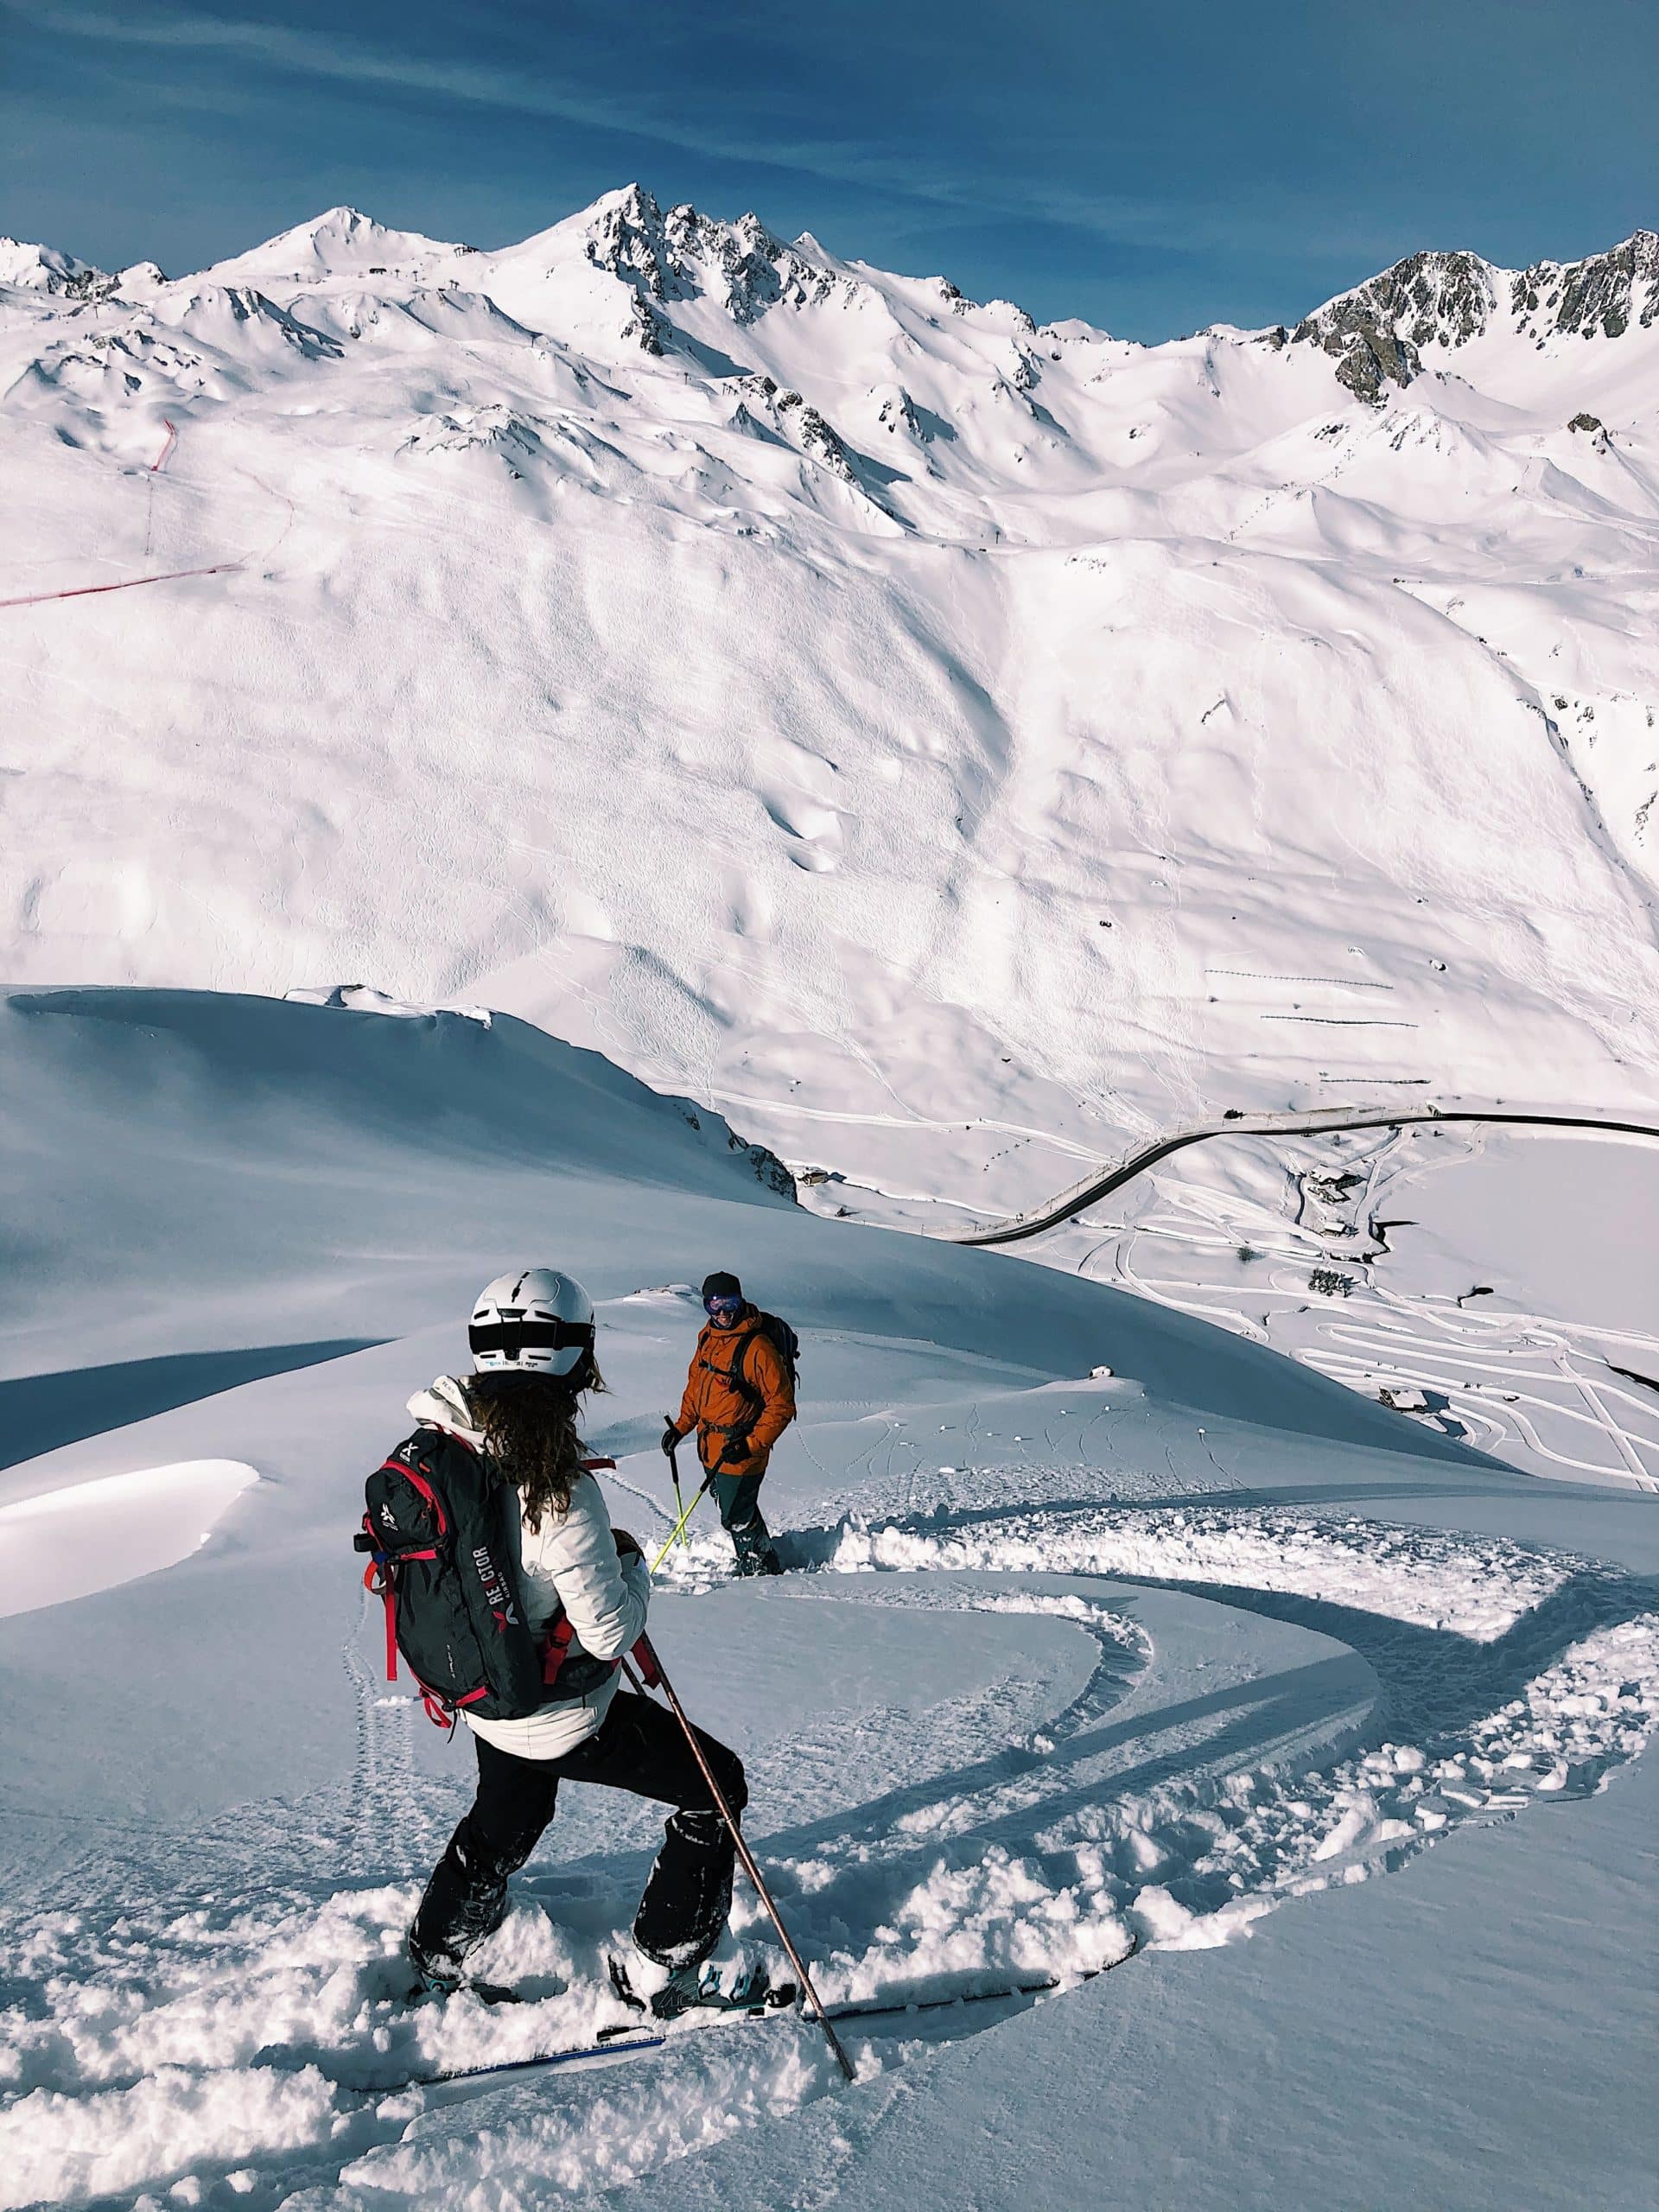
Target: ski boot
{"x":441,"y":1974}
{"x":670,"y":1993}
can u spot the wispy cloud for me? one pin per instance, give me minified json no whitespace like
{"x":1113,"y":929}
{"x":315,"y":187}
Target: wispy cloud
{"x":347,"y":61}
{"x":340,"y":58}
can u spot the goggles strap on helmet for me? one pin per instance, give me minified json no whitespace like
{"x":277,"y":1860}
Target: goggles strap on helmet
{"x":513,"y":1337}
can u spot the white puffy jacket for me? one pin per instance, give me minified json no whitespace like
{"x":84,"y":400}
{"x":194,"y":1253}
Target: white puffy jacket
{"x":572,"y":1561}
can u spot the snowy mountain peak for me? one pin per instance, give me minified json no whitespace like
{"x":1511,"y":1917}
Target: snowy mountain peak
{"x":627,"y":238}
{"x":340,"y":229}
{"x":31,"y":267}
{"x":1379,"y":331}
{"x":682,"y":254}
{"x":1602,"y":294}
{"x":340,"y":241}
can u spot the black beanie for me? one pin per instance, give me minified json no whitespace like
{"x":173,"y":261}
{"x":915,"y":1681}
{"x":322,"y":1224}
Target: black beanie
{"x":720,"y":1285}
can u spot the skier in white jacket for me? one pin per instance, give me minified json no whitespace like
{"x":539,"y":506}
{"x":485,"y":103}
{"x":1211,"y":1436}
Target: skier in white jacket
{"x":532,"y":1337}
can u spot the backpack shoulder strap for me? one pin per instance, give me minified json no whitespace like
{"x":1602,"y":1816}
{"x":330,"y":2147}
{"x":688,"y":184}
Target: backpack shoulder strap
{"x":737,"y":1375}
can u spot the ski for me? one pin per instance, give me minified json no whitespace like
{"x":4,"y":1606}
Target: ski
{"x":898,"y":2007}
{"x":626,"y":2038}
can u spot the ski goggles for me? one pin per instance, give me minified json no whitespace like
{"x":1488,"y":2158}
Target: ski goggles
{"x":718,"y":1307}
{"x":512,"y":1336}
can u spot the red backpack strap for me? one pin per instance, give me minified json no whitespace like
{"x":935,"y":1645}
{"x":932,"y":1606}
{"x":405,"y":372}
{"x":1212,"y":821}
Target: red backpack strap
{"x":380,"y":1579}
{"x":555,"y":1650}
{"x":420,"y":1477}
{"x":377,"y":1580}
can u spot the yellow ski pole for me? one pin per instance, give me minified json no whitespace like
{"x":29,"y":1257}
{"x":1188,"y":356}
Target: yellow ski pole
{"x":674,"y":1477}
{"x":678,"y":1529}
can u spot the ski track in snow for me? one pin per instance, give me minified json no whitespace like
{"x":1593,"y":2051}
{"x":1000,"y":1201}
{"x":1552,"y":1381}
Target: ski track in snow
{"x":1540,"y":1390}
{"x":154,"y":2023}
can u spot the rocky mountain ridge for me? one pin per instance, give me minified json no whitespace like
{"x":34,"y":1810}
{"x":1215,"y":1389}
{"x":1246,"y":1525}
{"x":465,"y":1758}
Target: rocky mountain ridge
{"x":946,"y":744}
{"x":1379,"y":332}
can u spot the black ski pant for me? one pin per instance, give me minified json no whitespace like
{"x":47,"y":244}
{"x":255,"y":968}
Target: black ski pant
{"x":640,"y":1747}
{"x":739,"y":1499}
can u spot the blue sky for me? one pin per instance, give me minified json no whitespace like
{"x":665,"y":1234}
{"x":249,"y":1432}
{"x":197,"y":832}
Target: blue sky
{"x":1151,"y":167}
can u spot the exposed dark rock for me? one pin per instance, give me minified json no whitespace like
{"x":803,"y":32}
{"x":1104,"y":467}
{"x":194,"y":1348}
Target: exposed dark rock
{"x":1377,"y":331}
{"x":58,"y":276}
{"x":88,"y":285}
{"x":766,"y":1166}
{"x":648,"y":329}
{"x":898,"y":412}
{"x":684,"y":255}
{"x":1446,"y":298}
{"x":1372,"y":357}
{"x":1601,"y":295}
{"x":1367,"y":355}
{"x":628,"y":240}
{"x":1600,"y":437}
{"x":817,"y":437}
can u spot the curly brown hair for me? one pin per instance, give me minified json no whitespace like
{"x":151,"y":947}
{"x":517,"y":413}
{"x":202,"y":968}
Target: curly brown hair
{"x":529,"y":1426}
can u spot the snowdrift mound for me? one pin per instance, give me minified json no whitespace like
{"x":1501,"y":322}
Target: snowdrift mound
{"x":237,"y":1130}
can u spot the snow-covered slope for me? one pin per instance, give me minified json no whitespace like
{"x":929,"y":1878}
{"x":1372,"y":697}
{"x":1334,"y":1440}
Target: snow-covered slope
{"x":1063,"y":1657}
{"x":945,"y":745}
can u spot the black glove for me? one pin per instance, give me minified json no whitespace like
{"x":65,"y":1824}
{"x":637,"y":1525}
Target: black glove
{"x":626,"y":1543}
{"x":671,"y":1436}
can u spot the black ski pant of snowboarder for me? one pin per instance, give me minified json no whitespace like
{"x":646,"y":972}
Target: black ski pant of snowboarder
{"x":640,"y":1747}
{"x":739,"y":1499}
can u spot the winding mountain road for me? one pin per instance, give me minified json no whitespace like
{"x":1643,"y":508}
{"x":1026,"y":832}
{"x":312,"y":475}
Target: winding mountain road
{"x":1114,"y":1174}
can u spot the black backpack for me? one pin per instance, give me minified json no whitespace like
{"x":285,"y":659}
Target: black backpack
{"x":441,"y":1545}
{"x":787,"y":1345}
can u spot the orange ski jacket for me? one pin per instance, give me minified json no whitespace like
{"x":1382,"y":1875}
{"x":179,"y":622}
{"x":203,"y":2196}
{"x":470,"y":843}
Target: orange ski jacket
{"x":727,"y":1422}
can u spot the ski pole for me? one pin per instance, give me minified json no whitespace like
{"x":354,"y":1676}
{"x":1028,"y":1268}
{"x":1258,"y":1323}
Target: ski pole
{"x":678,"y":1529}
{"x":674,"y":1477}
{"x":743,"y":1851}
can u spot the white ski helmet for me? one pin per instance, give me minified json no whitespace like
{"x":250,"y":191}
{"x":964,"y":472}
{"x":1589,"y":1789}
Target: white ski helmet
{"x":535,"y":1322}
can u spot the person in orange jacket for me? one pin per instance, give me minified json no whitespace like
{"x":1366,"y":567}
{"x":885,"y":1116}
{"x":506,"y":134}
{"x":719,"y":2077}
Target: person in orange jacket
{"x":739,"y":1399}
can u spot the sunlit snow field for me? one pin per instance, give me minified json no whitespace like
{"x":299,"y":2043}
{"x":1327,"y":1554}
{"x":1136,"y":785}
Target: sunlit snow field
{"x":1064,"y":1660}
{"x":950,"y":750}
{"x":946,"y":744}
